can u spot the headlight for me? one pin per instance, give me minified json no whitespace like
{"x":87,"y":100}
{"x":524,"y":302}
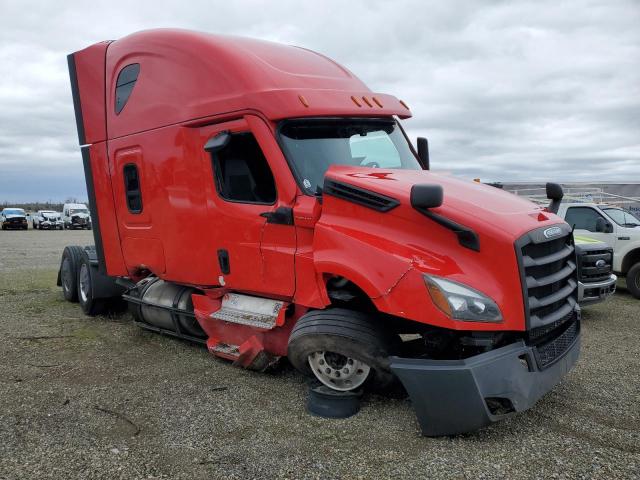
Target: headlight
{"x":461,"y":302}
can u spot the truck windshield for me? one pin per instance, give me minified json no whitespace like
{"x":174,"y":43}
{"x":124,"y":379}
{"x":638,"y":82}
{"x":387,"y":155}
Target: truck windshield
{"x":623,"y":218}
{"x":78,"y":210}
{"x":312,"y":145}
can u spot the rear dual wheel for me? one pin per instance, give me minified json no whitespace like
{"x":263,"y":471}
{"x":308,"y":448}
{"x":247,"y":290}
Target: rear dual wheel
{"x":86,"y":288}
{"x":343,"y":349}
{"x":69,"y":272}
{"x":79,"y":280}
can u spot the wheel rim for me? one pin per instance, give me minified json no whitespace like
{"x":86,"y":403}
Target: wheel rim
{"x":338,"y":371}
{"x":85,"y":282}
{"x":66,"y":275}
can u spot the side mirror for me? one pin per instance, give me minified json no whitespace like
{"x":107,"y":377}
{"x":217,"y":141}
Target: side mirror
{"x":218,"y":142}
{"x":423,"y":151}
{"x":555,"y":194}
{"x":602,"y":226}
{"x":426,"y":196}
{"x":554,"y":191}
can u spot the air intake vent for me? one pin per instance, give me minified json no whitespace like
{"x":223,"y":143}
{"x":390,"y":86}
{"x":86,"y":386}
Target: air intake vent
{"x":361,"y":196}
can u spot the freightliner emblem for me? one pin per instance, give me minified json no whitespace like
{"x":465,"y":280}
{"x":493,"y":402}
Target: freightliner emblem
{"x":552,"y":232}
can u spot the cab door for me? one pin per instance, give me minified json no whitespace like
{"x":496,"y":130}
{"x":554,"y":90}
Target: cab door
{"x":250,"y":199}
{"x":585,"y":220}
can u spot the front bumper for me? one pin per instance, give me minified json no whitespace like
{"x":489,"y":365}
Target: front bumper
{"x":594,"y":292}
{"x":50,"y":225}
{"x":15,"y":224}
{"x":450,"y":396}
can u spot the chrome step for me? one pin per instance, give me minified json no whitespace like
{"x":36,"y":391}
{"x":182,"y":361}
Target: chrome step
{"x":247,"y":310}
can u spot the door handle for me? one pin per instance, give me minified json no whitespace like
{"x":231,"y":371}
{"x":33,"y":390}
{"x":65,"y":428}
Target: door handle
{"x":624,"y":238}
{"x":279,"y":216}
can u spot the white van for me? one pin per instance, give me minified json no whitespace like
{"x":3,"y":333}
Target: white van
{"x":76,"y":215}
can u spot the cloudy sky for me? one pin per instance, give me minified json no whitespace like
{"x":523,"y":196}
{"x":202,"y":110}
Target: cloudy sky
{"x":510,"y":91}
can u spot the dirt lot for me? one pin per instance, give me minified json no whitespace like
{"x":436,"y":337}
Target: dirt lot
{"x":99,"y":398}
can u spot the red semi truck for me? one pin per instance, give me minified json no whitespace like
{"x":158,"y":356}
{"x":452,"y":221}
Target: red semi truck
{"x":260,"y":199}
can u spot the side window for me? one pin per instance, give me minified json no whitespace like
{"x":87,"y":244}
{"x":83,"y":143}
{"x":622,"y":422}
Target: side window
{"x":242,"y":172}
{"x":124,"y":85}
{"x":582,"y":218}
{"x":132,"y":188}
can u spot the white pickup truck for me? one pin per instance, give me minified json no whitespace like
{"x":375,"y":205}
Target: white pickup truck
{"x":618,"y":228}
{"x":46,"y":220}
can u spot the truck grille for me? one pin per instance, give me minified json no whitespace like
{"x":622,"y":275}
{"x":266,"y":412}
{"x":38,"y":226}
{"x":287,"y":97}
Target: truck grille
{"x":549,"y":277}
{"x":588,"y":271}
{"x":547,"y":353}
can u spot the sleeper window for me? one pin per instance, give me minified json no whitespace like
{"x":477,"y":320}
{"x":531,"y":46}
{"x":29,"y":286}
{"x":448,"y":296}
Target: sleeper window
{"x":124,"y":85}
{"x":242,"y":172}
{"x":132,"y":188}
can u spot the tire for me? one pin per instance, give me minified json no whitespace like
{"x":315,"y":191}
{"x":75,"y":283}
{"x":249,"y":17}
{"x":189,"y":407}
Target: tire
{"x":69,"y":272}
{"x":86,"y":286}
{"x":633,"y":280}
{"x":351,"y":334}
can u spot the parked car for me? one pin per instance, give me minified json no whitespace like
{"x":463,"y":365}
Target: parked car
{"x":76,"y":215}
{"x":618,"y":228}
{"x":278,"y":209}
{"x":47,"y":220}
{"x":13,"y":218}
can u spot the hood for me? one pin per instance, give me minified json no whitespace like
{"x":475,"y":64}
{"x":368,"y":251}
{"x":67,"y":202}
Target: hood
{"x":369,"y":233}
{"x":580,"y":240}
{"x":51,"y":216}
{"x":471,"y":204}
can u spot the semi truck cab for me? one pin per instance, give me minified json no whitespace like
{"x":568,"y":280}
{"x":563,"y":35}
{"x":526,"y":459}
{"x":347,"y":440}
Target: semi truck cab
{"x":261,"y":200}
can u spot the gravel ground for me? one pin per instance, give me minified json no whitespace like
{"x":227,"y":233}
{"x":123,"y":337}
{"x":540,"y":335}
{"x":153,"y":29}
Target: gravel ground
{"x":99,"y":398}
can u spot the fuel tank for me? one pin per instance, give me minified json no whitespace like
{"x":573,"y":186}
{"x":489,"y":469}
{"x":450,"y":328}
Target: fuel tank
{"x":167,"y":306}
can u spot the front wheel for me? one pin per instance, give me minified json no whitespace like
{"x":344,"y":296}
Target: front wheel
{"x":633,"y":280}
{"x":341,"y":348}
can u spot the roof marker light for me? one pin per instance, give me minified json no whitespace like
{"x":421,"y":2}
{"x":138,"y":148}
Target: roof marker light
{"x":366,"y":100}
{"x":355,"y":100}
{"x":377,"y":102}
{"x":303,"y":101}
{"x":404,"y":105}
